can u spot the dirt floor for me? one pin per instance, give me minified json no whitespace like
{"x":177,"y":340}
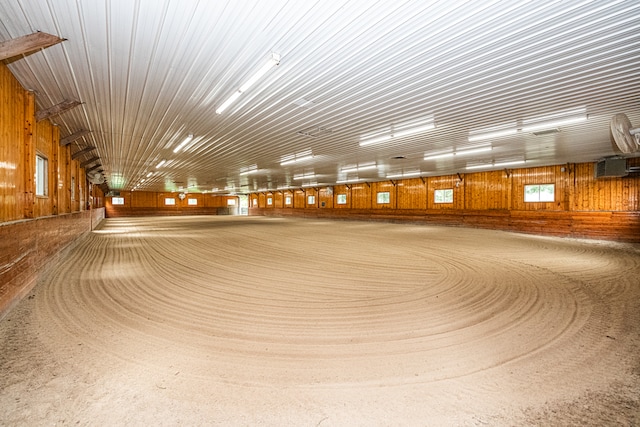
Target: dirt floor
{"x":266,"y":321}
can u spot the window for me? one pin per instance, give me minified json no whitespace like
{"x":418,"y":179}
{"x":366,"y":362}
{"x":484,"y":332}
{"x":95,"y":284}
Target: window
{"x":269,"y":201}
{"x":73,"y":188}
{"x":539,"y":193}
{"x":287,"y":200}
{"x":443,"y":196}
{"x":383,"y":197}
{"x":341,"y":199}
{"x":192,"y":202}
{"x":117,"y":200}
{"x":311,"y":200}
{"x":42,"y":176}
{"x":255,"y":203}
{"x":169,"y":201}
{"x":231,"y":202}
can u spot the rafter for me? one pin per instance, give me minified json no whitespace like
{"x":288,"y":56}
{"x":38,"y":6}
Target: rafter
{"x":81,"y":152}
{"x":57,"y":109}
{"x":26,"y":45}
{"x":73,"y":137}
{"x":88,"y":162}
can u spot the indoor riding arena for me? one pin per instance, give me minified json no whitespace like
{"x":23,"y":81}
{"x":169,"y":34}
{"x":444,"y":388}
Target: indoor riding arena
{"x":339,"y":213}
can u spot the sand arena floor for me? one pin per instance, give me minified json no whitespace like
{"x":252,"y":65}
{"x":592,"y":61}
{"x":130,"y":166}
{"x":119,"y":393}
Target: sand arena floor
{"x":266,"y":321}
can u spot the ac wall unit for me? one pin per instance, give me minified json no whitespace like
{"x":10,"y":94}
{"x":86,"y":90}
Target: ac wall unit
{"x":611,"y":167}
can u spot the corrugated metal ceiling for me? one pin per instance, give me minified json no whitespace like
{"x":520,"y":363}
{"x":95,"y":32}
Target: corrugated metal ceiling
{"x":151,"y":72}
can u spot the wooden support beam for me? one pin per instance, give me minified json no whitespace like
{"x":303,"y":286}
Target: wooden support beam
{"x":81,"y":152}
{"x":93,"y":168}
{"x":423,"y":179}
{"x":88,"y":162}
{"x":56,"y":110}
{"x":74,"y":137}
{"x":27,"y":44}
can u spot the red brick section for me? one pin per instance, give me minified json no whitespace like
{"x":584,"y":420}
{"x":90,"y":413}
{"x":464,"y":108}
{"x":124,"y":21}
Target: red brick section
{"x":29,"y":247}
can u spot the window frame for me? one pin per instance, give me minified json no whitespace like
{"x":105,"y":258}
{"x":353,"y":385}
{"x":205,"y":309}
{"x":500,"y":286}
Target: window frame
{"x":42,"y":176}
{"x":539,"y":192}
{"x":447,"y":195}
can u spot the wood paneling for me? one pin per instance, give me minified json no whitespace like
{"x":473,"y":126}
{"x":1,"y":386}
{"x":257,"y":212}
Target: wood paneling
{"x":311,"y":192}
{"x":412,"y":193}
{"x":487,"y":190}
{"x":383,"y":187}
{"x":27,"y":248}
{"x":338,"y":190}
{"x":605,"y":208}
{"x":447,"y":182}
{"x":325,"y":198}
{"x":146,"y":203}
{"x":361,"y":196}
{"x":299,"y":199}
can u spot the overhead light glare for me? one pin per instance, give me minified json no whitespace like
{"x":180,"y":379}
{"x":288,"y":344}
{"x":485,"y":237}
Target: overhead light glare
{"x":492,"y":135}
{"x":359,"y":168}
{"x":439,"y":156}
{"x":304,"y":176}
{"x":159,"y":165}
{"x":405,"y":174}
{"x":347,"y":181}
{"x":554,"y":120}
{"x":289,"y":160}
{"x":149,"y":174}
{"x":271,"y":62}
{"x":496,"y":165}
{"x":183,"y":143}
{"x":399,"y":131}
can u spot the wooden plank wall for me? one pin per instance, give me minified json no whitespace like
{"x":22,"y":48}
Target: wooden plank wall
{"x":34,"y":230}
{"x":147,"y":203}
{"x":604,"y":208}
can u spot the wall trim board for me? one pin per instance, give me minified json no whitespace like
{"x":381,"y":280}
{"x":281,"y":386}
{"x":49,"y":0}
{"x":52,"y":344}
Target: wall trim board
{"x":28,"y":248}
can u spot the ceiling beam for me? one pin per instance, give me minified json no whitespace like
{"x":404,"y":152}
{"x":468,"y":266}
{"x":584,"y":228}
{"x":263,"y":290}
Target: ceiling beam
{"x":57,"y":109}
{"x":73,"y":137}
{"x":93,"y":168}
{"x":88,"y":162}
{"x":25,"y":45}
{"x":81,"y":152}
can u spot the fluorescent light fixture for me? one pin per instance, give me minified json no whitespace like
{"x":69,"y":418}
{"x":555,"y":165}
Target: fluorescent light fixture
{"x":359,"y":168}
{"x":399,"y":131}
{"x":347,"y":181}
{"x":183,"y":143}
{"x":159,"y":165}
{"x":297,"y":158}
{"x":439,"y":156}
{"x":459,"y":153}
{"x":142,"y":180}
{"x":413,"y":131}
{"x":149,"y":174}
{"x":517,"y":162}
{"x":492,"y":134}
{"x":473,"y":151}
{"x":249,"y":170}
{"x":405,"y":174}
{"x":554,"y":120}
{"x":304,"y":176}
{"x":271,"y":62}
{"x":496,"y":165}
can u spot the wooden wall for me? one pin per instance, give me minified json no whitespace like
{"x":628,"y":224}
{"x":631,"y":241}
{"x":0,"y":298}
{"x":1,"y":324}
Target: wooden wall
{"x":21,"y":139}
{"x":147,"y":203}
{"x":604,"y":208}
{"x":35,"y":229}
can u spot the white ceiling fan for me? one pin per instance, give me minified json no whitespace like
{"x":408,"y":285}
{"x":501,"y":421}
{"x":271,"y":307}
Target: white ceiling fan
{"x":626,"y":138}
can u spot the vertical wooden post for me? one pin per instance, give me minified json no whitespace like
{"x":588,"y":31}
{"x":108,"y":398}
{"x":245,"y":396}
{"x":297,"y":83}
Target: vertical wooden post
{"x":54,"y":164}
{"x":29,"y":160}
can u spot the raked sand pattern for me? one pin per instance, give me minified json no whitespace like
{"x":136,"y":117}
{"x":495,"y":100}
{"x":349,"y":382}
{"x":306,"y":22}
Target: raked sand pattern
{"x":267,"y":321}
